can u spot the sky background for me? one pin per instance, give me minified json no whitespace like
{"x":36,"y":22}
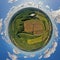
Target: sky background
{"x":5,"y":6}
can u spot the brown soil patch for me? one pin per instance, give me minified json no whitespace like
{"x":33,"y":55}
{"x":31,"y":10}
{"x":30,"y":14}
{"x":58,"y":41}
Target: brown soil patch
{"x":33,"y":26}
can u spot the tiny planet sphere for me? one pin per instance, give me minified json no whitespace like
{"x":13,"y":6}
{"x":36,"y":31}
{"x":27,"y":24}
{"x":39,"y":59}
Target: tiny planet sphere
{"x":30,"y":29}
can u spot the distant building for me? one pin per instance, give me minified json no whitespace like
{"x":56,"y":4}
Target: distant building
{"x":32,"y":14}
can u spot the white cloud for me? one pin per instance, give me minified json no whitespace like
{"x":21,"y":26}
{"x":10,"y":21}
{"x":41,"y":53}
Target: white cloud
{"x":2,"y":33}
{"x":50,"y":51}
{"x":11,"y":1}
{"x":32,"y":55}
{"x":56,"y":33}
{"x":29,"y":56}
{"x":30,"y":3}
{"x":6,"y":40}
{"x":12,"y":56}
{"x":40,"y":4}
{"x":56,"y":15}
{"x":40,"y":56}
{"x":7,"y":59}
{"x":25,"y":56}
{"x":16,"y":51}
{"x":58,"y":19}
{"x":47,"y":6}
{"x":1,"y":24}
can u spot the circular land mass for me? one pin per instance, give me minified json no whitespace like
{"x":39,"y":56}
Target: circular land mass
{"x":30,"y":29}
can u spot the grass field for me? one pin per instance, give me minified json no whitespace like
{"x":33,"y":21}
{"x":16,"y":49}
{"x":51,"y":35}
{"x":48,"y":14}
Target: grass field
{"x":30,"y":33}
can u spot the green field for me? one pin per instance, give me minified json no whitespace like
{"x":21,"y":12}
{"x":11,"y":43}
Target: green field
{"x":30,"y":29}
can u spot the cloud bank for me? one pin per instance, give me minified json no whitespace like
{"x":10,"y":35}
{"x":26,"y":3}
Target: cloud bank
{"x":50,"y":51}
{"x":16,"y":51}
{"x":11,"y":1}
{"x":12,"y":56}
{"x":56,"y":15}
{"x":1,"y":24}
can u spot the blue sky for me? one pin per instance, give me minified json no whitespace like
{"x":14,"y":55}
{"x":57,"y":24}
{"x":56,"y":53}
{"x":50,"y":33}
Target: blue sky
{"x":54,"y":4}
{"x":4,"y":47}
{"x":5,"y":6}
